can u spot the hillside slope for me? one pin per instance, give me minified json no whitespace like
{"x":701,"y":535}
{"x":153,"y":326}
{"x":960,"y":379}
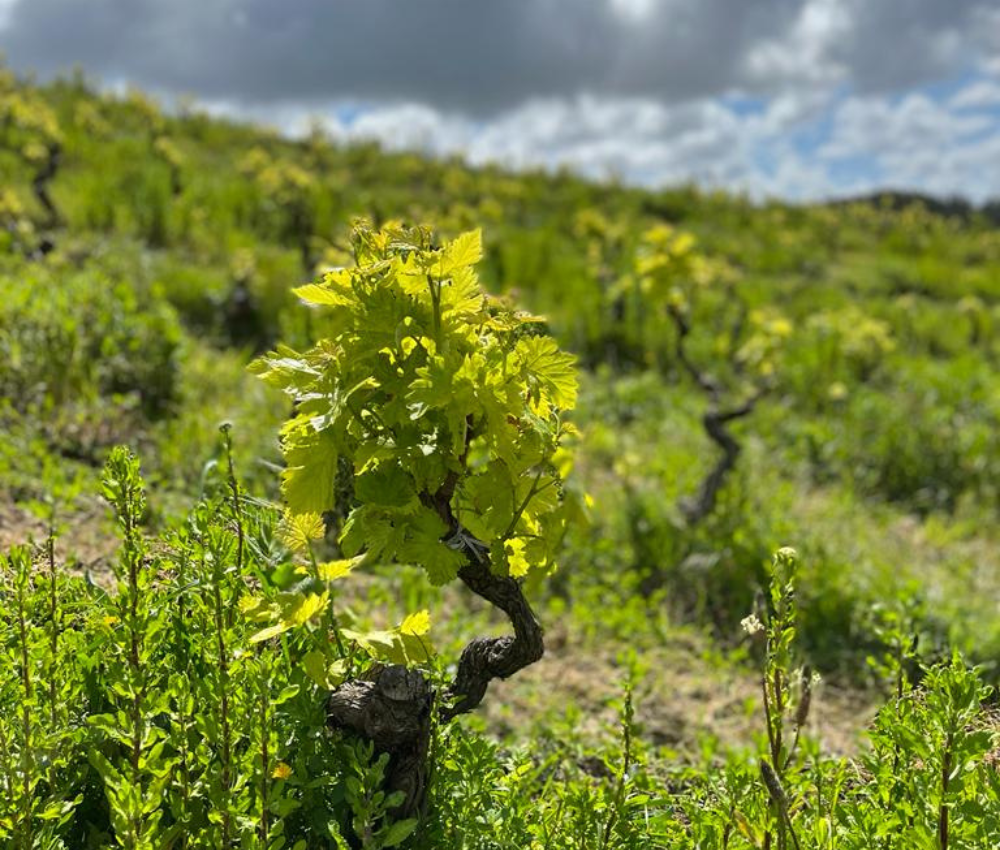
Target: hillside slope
{"x":146,"y":257}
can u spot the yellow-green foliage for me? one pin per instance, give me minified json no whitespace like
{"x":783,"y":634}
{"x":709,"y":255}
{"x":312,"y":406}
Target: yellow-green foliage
{"x":432,"y":391}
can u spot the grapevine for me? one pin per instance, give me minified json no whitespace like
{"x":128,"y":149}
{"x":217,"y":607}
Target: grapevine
{"x":449,"y":406}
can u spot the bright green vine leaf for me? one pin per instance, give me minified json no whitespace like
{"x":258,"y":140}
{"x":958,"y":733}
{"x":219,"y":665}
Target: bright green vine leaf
{"x":295,"y":609}
{"x":406,"y":644}
{"x":297,"y":531}
{"x":416,"y":624}
{"x":333,"y":570}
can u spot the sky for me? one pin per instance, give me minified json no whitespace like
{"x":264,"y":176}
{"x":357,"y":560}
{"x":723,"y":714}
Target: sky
{"x":798,"y":99}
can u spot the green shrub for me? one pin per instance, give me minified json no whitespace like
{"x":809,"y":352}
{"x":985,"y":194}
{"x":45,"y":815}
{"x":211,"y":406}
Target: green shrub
{"x":80,"y":336}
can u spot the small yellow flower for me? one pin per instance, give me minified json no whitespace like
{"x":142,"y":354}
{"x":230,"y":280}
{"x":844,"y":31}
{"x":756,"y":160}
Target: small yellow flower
{"x":109,"y":620}
{"x":281,"y":771}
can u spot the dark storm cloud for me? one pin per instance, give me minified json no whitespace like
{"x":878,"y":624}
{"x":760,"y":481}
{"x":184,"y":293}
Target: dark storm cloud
{"x":477,"y":56}
{"x":453,"y":53}
{"x":902,"y":43}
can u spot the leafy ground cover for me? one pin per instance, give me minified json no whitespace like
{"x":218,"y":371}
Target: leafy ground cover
{"x":750,"y":377}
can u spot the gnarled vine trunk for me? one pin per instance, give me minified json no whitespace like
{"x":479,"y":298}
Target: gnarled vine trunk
{"x":393,"y":707}
{"x":715,"y":422}
{"x":40,"y":183}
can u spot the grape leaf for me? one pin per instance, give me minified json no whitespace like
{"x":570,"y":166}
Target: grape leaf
{"x":425,"y":548}
{"x":387,"y":485}
{"x":416,"y":624}
{"x":464,"y":250}
{"x":297,"y":530}
{"x":552,"y":369}
{"x":309,"y":480}
{"x":315,"y":293}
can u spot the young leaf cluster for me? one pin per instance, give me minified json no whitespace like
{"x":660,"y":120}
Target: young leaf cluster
{"x":447,"y":404}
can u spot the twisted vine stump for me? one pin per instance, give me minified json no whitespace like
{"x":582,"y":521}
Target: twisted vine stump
{"x":715,"y":421}
{"x":393,"y":708}
{"x":40,"y":183}
{"x":718,"y":416}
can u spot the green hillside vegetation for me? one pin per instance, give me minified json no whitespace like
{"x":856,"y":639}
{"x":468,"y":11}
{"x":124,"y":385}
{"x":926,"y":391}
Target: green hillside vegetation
{"x":745,"y":377}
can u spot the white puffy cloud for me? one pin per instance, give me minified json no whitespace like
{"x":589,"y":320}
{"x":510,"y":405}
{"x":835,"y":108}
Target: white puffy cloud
{"x":879,"y":128}
{"x":6,"y":7}
{"x":811,"y":146}
{"x":982,"y":94}
{"x":806,"y":53}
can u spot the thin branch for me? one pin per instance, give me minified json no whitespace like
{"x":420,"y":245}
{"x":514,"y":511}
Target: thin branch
{"x":714,"y":423}
{"x":707,"y":383}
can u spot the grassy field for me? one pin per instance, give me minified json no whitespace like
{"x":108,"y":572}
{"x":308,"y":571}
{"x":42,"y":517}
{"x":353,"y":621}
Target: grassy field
{"x":751,"y":377}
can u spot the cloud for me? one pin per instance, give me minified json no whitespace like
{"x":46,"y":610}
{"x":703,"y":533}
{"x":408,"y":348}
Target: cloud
{"x":805,"y":53}
{"x":477,"y":57}
{"x":486,"y":57}
{"x":868,"y":126}
{"x":794,"y":146}
{"x":796,"y":98}
{"x":982,"y":94}
{"x":899,"y":44}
